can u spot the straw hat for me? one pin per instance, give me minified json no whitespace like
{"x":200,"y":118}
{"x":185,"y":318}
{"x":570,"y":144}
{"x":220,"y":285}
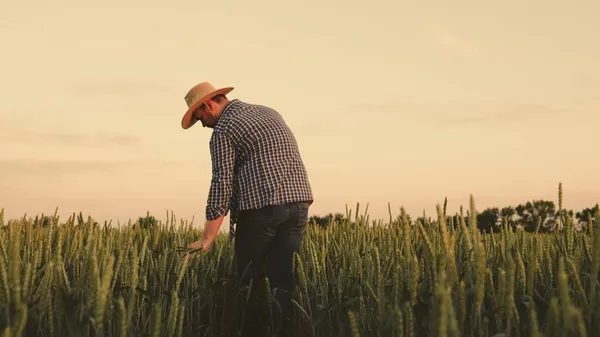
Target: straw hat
{"x":199,"y":94}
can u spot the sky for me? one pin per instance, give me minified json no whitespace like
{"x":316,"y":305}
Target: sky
{"x":393,"y":102}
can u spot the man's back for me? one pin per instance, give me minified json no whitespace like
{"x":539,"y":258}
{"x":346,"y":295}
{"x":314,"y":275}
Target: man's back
{"x":268,"y":168}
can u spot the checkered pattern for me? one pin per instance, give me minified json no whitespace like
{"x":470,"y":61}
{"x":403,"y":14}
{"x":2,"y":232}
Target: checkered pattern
{"x":255,"y":162}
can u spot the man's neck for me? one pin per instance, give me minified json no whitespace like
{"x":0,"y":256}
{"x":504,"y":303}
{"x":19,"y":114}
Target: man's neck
{"x":224,"y":110}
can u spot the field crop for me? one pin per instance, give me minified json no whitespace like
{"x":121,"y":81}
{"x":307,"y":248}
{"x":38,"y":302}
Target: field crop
{"x":355,"y":278}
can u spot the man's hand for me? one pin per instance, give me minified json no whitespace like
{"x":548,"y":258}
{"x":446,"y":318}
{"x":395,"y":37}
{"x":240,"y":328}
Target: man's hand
{"x":204,"y":244}
{"x":211,"y":228}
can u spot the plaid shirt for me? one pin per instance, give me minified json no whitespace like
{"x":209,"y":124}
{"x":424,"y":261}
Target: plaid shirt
{"x":255,"y":162}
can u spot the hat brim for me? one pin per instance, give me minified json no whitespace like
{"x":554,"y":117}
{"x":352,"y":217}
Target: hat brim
{"x":188,"y":119}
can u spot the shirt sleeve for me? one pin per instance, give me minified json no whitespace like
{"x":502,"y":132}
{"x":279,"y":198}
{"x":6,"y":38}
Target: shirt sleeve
{"x":223,"y":160}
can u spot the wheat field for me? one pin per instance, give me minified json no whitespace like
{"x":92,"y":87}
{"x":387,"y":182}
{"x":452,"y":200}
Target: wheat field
{"x":75,"y":277}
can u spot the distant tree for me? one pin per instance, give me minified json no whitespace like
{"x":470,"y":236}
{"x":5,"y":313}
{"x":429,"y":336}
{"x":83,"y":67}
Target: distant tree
{"x":526,"y":216}
{"x":146,"y":222}
{"x":507,"y":212}
{"x":587,"y":216}
{"x":324,"y":221}
{"x":424,"y":220}
{"x":454,"y":220}
{"x":44,"y":221}
{"x":542,"y":212}
{"x":487,"y":221}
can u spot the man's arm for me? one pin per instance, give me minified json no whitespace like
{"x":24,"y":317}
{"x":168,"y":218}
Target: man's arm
{"x":223,"y":161}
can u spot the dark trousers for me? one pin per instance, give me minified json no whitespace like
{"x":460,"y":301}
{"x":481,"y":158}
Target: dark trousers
{"x":265,"y":242}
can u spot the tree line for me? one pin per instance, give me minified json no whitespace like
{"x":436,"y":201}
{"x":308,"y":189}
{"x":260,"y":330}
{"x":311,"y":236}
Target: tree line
{"x":532,"y":216}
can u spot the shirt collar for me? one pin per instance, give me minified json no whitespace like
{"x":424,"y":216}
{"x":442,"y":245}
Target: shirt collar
{"x":229,"y":106}
{"x":227,"y":110}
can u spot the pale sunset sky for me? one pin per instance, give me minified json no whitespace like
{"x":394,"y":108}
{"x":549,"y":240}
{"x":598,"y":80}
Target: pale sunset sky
{"x":390,"y":101}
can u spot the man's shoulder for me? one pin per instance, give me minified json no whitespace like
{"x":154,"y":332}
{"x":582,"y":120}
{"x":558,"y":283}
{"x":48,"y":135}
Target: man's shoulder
{"x":239,"y":105}
{"x":236,"y":104}
{"x":242,"y":113}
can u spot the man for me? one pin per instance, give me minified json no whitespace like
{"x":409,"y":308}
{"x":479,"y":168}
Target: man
{"x":258,"y":175}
